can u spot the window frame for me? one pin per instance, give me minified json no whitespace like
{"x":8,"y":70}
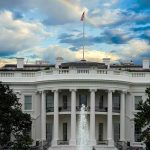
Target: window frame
{"x":135,"y":107}
{"x":25,"y":103}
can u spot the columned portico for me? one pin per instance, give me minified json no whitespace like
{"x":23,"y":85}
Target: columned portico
{"x":43,"y":116}
{"x":122,"y":116}
{"x":73,"y":117}
{"x":92,"y":117}
{"x":109,"y":119}
{"x":56,"y":118}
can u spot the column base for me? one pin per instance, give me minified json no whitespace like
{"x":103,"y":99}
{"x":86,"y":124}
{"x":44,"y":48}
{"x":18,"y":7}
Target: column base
{"x":110,"y":142}
{"x":54,"y":143}
{"x":92,"y":142}
{"x":72,"y":142}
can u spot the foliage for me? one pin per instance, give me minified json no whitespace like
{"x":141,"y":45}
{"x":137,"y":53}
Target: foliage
{"x":14,"y":123}
{"x":142,"y":119}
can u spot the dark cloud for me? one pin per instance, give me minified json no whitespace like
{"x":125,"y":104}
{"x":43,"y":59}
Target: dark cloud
{"x":141,"y":28}
{"x":4,"y":53}
{"x":143,"y":4}
{"x":108,"y":37}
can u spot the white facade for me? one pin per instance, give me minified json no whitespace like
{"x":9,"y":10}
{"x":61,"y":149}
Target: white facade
{"x":56,"y":95}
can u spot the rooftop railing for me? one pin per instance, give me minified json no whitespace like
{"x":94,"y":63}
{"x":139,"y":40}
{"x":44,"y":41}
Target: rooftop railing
{"x":56,"y":74}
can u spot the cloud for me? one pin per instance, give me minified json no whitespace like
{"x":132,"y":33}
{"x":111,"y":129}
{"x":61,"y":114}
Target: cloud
{"x":134,"y":48}
{"x":105,"y":17}
{"x":54,"y":11}
{"x":17,"y":35}
{"x":108,"y":36}
{"x":4,"y":61}
{"x":53,"y":51}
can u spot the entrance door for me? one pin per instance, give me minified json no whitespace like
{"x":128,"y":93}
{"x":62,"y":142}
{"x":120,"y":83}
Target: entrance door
{"x":49,"y":131}
{"x":64,"y":131}
{"x":116,"y":132}
{"x":100,"y":130}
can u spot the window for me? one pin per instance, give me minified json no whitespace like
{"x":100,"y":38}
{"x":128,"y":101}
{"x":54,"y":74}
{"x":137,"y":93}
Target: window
{"x":28,"y":102}
{"x":64,"y":131}
{"x":64,"y":101}
{"x":100,"y":134}
{"x":101,"y":101}
{"x":116,"y":102}
{"x":137,"y":100}
{"x":82,"y":100}
{"x":49,"y":103}
{"x":137,"y":133}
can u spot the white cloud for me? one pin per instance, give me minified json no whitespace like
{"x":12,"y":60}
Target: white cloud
{"x":53,"y":51}
{"x":18,"y":34}
{"x":134,"y":48}
{"x":105,"y":17}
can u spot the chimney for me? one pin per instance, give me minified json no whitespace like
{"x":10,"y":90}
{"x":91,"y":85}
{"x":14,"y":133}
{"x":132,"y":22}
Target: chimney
{"x":106,"y":61}
{"x":59,"y":61}
{"x":20,"y":63}
{"x":146,"y":63}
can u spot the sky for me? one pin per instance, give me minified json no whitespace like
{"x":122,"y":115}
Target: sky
{"x":46,"y":29}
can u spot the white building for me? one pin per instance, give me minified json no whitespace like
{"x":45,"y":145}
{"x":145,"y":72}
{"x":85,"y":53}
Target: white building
{"x":53,"y":95}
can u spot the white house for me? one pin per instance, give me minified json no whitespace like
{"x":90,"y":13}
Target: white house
{"x":53,"y":95}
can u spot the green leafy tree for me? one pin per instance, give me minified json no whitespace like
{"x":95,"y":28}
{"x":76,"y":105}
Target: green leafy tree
{"x":142,"y":119}
{"x":14,"y":124}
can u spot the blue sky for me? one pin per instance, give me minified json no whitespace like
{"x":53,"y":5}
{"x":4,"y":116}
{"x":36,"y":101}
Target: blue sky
{"x":46,"y":29}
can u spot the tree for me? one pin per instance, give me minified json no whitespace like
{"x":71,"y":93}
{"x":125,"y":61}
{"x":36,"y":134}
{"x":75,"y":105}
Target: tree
{"x":14,"y":124}
{"x":142,"y":119}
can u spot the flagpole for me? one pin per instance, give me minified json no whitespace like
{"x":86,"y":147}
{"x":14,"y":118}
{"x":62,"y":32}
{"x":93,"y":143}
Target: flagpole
{"x":83,"y":32}
{"x":83,"y":36}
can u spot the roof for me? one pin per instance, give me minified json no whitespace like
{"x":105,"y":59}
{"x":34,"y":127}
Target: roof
{"x":84,"y":64}
{"x":27,"y":67}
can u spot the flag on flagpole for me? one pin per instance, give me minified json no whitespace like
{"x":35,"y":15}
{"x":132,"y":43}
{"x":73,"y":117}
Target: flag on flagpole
{"x":83,"y":16}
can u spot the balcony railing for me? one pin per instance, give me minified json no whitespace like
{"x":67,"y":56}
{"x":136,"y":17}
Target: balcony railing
{"x":50,"y":109}
{"x":61,"y":142}
{"x":78,"y":108}
{"x":64,"y":109}
{"x":100,"y":109}
{"x":116,"y":109}
{"x":104,"y":142}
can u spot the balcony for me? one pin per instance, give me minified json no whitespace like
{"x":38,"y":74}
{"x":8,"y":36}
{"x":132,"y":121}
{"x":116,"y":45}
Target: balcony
{"x":64,"y":108}
{"x":116,"y":109}
{"x":49,"y":109}
{"x":61,"y":142}
{"x":75,"y":73}
{"x":78,"y":108}
{"x":100,"y":109}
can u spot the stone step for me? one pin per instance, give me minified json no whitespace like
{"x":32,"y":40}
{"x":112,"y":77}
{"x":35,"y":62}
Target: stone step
{"x":84,"y":148}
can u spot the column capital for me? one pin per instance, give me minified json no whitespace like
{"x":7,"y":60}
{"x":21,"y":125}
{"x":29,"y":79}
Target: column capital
{"x":55,"y":90}
{"x":72,"y":90}
{"x":40,"y":91}
{"x":93,"y":90}
{"x":124,"y":91}
{"x":111,"y":90}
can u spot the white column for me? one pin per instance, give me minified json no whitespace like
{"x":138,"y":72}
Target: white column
{"x":92,"y":117}
{"x":56,"y":119}
{"x":73,"y":117}
{"x":43,"y":116}
{"x":122,"y":117}
{"x":109,"y":119}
